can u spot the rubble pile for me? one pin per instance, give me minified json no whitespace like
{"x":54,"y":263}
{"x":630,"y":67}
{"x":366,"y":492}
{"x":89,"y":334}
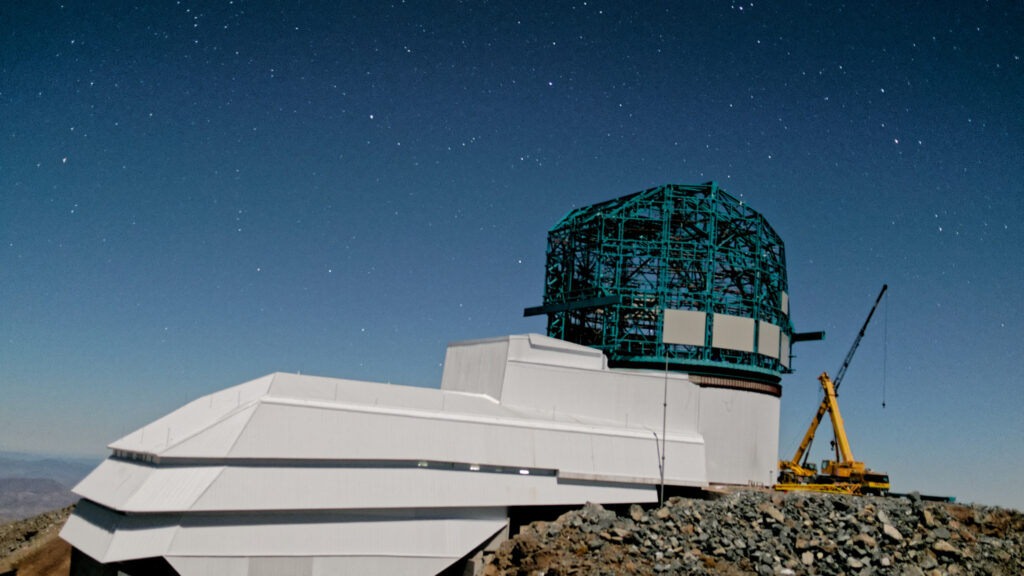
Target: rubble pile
{"x":20,"y":534}
{"x":766,"y":534}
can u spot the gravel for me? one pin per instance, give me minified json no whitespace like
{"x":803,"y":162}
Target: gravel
{"x":768,"y":534}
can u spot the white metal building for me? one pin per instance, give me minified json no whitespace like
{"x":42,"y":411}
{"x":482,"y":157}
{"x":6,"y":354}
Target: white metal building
{"x":302,"y":475}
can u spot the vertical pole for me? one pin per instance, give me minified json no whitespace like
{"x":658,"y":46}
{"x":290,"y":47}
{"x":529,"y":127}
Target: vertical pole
{"x":664,"y":426}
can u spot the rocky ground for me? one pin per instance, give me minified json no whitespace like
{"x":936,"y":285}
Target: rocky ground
{"x":32,"y":545}
{"x":764,"y":533}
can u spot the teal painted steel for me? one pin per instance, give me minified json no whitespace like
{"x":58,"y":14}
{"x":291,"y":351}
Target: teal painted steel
{"x":687,"y":247}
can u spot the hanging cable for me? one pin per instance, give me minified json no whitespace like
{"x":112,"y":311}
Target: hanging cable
{"x":885,"y":350}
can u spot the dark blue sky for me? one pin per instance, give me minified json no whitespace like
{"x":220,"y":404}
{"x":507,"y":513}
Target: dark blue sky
{"x":194,"y":194}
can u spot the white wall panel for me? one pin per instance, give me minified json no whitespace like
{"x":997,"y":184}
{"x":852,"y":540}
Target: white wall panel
{"x":316,"y":534}
{"x":768,"y":339}
{"x":392,"y":566}
{"x":90,"y":528}
{"x":741,"y":432}
{"x":281,"y":566}
{"x":732,"y":332}
{"x":306,"y":432}
{"x":326,"y":488}
{"x":477,"y":367}
{"x":684,"y":327}
{"x":622,"y":398}
{"x":209,"y":565}
{"x":110,"y":537}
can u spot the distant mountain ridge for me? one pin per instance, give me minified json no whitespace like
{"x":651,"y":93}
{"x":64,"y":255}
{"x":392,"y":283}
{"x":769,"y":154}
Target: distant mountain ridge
{"x":31,"y":484}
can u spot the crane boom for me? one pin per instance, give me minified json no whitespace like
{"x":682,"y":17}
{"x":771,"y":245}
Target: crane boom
{"x":805,"y":449}
{"x":856,"y":341}
{"x":844,"y":469}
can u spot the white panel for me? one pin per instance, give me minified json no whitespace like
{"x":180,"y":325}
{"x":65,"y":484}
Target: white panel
{"x":618,"y":397}
{"x":207,"y":565}
{"x":193,"y":417}
{"x":281,"y":566}
{"x":321,"y":565}
{"x":142,"y":537}
{"x":767,"y":339}
{"x":784,"y":350}
{"x":390,"y":565}
{"x":684,"y":327}
{"x":172,"y":489}
{"x":476,"y":367}
{"x":216,"y":439}
{"x":268,"y":535}
{"x":314,"y":534}
{"x":321,"y":487}
{"x":741,"y":434}
{"x":132,"y":487}
{"x":113,"y":482}
{"x":733,"y":333}
{"x":110,"y":537}
{"x":90,"y":528}
{"x":685,"y":463}
{"x":322,"y":432}
{"x":785,"y":303}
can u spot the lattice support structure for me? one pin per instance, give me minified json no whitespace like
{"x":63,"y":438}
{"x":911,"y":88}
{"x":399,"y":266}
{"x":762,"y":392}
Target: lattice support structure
{"x":614,"y":268}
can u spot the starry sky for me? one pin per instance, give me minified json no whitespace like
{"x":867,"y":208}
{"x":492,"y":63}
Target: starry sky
{"x":195,"y":194}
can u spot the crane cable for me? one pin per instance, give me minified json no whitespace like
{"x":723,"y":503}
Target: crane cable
{"x":885,"y":350}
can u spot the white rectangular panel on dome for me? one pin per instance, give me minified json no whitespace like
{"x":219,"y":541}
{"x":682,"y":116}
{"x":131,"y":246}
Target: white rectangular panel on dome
{"x":733,"y":333}
{"x":784,"y":353}
{"x":785,"y":303}
{"x":683,"y":327}
{"x":768,"y":339}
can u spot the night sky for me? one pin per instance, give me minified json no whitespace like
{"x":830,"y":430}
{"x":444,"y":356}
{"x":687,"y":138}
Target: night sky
{"x":195,"y":194}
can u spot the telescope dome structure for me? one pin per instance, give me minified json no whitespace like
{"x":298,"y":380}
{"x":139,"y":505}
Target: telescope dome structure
{"x":681,"y":277}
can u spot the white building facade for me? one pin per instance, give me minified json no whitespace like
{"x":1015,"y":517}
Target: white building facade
{"x":303,"y":475}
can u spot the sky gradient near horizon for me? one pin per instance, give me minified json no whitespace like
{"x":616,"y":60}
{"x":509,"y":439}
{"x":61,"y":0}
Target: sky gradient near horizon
{"x":195,"y":194}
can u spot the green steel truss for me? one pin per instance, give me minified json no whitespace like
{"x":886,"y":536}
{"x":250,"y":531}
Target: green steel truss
{"x":613,"y":267}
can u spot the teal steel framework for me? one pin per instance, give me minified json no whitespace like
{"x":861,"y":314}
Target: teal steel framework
{"x":614,"y":267}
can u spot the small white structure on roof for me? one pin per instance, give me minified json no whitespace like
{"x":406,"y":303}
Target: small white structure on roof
{"x":303,"y":475}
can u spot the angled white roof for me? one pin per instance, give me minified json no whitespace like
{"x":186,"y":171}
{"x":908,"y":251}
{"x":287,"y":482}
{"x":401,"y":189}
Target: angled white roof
{"x":209,"y":426}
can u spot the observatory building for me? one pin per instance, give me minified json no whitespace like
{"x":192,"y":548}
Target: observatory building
{"x":668,"y":330}
{"x":676,"y":277}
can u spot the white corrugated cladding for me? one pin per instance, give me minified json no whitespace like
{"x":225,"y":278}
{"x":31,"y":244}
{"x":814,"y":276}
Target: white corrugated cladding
{"x":323,"y":487}
{"x":110,"y":537}
{"x":314,"y":475}
{"x":741,"y":434}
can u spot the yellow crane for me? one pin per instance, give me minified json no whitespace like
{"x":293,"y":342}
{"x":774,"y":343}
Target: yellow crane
{"x":844,"y":474}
